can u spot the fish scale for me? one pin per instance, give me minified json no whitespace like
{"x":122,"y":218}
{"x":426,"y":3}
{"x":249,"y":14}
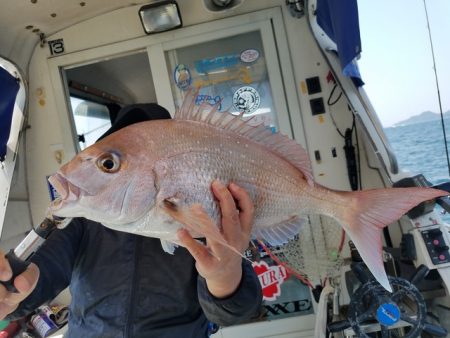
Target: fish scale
{"x":272,"y":203}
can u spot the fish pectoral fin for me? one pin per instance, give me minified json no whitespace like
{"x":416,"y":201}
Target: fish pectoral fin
{"x":281,"y":233}
{"x":168,"y":246}
{"x":196,"y":220}
{"x":171,"y":203}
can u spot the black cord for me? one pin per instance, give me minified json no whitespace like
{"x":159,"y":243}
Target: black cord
{"x":329,"y":103}
{"x":359,"y":155}
{"x":331,"y":95}
{"x":348,"y":131}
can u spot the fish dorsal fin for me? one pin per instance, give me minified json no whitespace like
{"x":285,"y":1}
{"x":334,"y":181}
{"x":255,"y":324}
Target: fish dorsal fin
{"x":278,"y":143}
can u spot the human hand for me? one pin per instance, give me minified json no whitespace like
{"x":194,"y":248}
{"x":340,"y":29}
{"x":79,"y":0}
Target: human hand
{"x":219,"y":265}
{"x":24,"y":283}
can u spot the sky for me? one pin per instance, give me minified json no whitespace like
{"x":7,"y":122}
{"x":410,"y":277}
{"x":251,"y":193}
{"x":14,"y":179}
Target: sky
{"x":396,"y":62}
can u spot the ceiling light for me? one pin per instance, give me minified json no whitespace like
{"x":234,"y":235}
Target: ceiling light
{"x":160,"y":16}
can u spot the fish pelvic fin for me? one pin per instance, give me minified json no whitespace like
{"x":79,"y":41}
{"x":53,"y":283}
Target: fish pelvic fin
{"x":370,"y":211}
{"x":168,"y":246}
{"x":281,"y":145}
{"x":196,"y":220}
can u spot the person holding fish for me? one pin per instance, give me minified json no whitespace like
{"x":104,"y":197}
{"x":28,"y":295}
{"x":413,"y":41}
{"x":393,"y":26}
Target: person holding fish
{"x":126,"y":285}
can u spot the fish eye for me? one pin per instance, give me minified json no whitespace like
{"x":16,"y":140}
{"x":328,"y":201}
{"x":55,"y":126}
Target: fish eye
{"x":109,"y":163}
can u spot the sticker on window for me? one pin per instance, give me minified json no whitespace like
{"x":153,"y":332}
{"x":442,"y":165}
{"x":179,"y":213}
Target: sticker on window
{"x":249,"y":55}
{"x":182,"y":76}
{"x":246,"y":99}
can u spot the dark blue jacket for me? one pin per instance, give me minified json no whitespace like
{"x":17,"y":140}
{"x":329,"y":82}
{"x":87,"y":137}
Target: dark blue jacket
{"x":125,"y":285}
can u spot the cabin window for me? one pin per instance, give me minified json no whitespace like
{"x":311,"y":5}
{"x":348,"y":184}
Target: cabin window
{"x":98,"y":90}
{"x":91,"y":120}
{"x":231,"y":72}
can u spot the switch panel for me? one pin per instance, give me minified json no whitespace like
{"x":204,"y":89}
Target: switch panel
{"x":317,"y":106}
{"x":313,"y":85}
{"x":436,"y":245}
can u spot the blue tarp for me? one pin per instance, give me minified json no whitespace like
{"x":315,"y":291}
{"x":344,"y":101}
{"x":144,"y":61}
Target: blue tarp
{"x":9,"y":87}
{"x":339,"y":20}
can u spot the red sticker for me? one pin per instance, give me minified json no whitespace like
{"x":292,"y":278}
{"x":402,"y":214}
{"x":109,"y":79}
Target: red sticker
{"x":271,"y":278}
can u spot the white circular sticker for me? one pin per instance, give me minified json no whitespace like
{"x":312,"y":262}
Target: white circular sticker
{"x":246,"y":99}
{"x":249,"y":55}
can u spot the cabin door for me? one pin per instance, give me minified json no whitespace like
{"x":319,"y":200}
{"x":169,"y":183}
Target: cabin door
{"x":243,"y":68}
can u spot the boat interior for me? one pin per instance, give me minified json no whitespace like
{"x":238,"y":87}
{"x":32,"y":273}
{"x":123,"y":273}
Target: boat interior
{"x":68,"y":68}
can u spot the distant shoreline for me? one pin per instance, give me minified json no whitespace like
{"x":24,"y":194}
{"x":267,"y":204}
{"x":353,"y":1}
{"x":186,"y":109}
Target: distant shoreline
{"x":426,"y":116}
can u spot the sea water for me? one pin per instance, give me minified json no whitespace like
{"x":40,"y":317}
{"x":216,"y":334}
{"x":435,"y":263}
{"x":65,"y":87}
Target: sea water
{"x":420,"y":149}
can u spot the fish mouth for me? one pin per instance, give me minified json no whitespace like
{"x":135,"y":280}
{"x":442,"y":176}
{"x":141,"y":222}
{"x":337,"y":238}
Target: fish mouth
{"x":68,"y":192}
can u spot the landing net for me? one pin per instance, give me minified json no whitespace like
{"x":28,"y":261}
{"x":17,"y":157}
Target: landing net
{"x":315,"y":255}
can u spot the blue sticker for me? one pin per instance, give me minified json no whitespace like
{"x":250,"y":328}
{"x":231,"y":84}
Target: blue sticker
{"x":209,"y":99}
{"x":221,"y":62}
{"x":388,"y":314}
{"x":182,"y":76}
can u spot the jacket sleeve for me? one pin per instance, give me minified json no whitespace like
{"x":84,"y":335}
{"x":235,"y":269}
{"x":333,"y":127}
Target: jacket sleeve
{"x":244,"y":304}
{"x":55,"y":259}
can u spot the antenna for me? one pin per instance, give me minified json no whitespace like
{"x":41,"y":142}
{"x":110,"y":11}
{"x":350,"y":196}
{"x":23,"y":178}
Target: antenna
{"x":437,"y":86}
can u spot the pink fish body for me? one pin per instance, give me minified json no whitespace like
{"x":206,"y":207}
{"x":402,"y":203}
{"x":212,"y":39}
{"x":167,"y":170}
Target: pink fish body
{"x":145,"y":178}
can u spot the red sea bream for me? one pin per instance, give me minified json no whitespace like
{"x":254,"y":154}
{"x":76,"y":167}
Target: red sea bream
{"x":149,"y":177}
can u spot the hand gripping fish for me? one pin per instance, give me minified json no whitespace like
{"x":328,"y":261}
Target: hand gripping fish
{"x":151,"y":178}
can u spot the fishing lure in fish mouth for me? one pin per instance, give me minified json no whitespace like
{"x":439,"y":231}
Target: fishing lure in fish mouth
{"x":151,"y":178}
{"x":67,"y":191}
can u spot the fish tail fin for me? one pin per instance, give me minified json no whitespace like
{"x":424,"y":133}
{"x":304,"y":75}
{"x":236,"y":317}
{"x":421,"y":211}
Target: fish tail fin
{"x":197,"y":221}
{"x":369,"y":211}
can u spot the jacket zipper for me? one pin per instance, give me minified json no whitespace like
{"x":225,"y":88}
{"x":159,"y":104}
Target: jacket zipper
{"x":134,"y":284}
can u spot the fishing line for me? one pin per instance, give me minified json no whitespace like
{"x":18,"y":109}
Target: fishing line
{"x":437,"y":86}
